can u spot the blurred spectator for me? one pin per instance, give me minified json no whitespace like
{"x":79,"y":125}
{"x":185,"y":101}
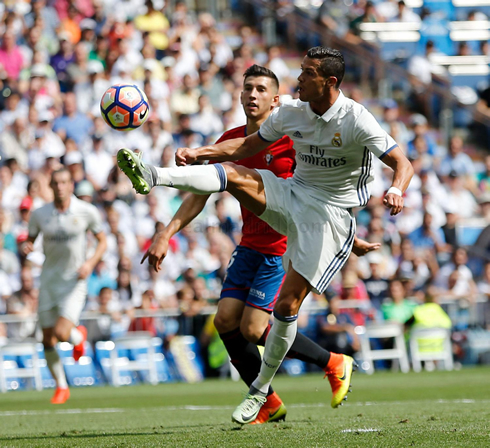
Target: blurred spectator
{"x":85,"y":191}
{"x":108,"y":321}
{"x":405,"y":14}
{"x":98,"y":163}
{"x":206,"y":121}
{"x":155,"y":23}
{"x":427,"y":236}
{"x":396,"y":307}
{"x":276,"y":63}
{"x":392,"y":124}
{"x":72,"y":124}
{"x":369,"y":15}
{"x":456,"y":277}
{"x":457,"y":161}
{"x":23,"y":303}
{"x":483,"y":177}
{"x":337,"y":331}
{"x":16,"y":142}
{"x":185,"y":100}
{"x":5,"y":290}
{"x":429,"y":314}
{"x":376,"y":284}
{"x":334,"y":15}
{"x":146,"y":323}
{"x":11,"y":60}
{"x":459,"y":197}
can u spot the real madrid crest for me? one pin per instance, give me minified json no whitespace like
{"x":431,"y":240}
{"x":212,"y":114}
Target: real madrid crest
{"x":337,"y":141}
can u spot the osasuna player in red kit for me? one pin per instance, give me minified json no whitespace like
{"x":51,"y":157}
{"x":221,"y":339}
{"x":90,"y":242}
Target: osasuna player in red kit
{"x":255,"y":273}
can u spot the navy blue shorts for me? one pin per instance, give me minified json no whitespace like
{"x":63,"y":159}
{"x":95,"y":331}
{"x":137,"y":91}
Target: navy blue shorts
{"x":254,"y":278}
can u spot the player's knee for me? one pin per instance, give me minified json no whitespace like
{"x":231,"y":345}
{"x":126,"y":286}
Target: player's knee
{"x":61,"y":334}
{"x":231,"y":170}
{"x":224,"y":323}
{"x":251,"y":332}
{"x":287,"y":305}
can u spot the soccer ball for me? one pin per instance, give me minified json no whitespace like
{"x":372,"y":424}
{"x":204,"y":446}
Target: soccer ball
{"x":124,"y":107}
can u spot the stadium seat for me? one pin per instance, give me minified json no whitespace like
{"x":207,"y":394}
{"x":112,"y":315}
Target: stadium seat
{"x":388,"y":330}
{"x":83,"y":372}
{"x":142,"y":346}
{"x":10,"y":370}
{"x":429,"y":345}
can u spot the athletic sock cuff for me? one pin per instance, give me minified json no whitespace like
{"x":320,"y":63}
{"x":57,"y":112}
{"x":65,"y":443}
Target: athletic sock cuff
{"x":285,"y":318}
{"x":222,"y":176}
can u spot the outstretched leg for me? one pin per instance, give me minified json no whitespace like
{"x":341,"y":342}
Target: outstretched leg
{"x":243,"y":183}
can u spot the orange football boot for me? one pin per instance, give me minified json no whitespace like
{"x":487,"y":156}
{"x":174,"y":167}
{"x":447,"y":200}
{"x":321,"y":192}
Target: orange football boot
{"x":60,"y":395}
{"x":79,"y":349}
{"x":339,"y":371}
{"x":272,"y":411}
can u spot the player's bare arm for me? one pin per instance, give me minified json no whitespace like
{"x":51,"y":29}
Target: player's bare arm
{"x":192,"y":205}
{"x":403,"y":172}
{"x":234,"y":149}
{"x":89,"y":265}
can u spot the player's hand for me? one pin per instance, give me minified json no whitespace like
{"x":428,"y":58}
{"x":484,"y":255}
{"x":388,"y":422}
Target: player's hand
{"x":157,"y":252}
{"x":85,"y":270}
{"x":394,"y":202}
{"x":185,"y":156}
{"x":26,"y":248}
{"x":362,"y":247}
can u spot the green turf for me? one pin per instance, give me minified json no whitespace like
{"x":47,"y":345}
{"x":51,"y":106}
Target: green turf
{"x":438,"y":409}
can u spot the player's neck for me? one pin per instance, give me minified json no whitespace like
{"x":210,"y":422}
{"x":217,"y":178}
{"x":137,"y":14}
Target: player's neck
{"x":62,"y":205}
{"x":325,"y":102}
{"x":254,"y":125}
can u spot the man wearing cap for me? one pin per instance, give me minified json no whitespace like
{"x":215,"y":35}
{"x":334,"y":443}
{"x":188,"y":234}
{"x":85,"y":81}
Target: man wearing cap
{"x":64,"y":224}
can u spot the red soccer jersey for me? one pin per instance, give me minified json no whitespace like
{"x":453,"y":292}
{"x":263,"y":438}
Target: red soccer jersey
{"x":278,"y":158}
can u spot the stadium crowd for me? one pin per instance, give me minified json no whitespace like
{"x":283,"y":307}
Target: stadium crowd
{"x":56,"y":60}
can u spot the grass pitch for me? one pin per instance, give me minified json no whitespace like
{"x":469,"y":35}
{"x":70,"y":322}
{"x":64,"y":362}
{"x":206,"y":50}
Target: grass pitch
{"x":437,"y":409}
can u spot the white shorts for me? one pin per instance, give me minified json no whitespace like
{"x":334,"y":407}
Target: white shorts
{"x":57,"y":300}
{"x":320,"y":235}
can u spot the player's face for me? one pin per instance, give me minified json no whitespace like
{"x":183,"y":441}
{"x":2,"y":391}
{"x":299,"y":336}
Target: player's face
{"x":62,"y":185}
{"x":259,"y":96}
{"x":312,"y":83}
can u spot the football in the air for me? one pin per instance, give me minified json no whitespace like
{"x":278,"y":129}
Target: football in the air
{"x":124,"y":107}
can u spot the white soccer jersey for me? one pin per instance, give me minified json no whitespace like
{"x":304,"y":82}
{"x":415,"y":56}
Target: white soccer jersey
{"x":64,"y":237}
{"x":333,"y":151}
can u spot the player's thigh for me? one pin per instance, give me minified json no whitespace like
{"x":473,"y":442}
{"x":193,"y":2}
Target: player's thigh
{"x":247,"y":186}
{"x":293,"y":292}
{"x":72,"y":300}
{"x":229,"y":314}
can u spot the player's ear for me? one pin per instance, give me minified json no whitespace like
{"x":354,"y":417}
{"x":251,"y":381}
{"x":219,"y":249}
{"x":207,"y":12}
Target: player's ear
{"x":275,"y":101}
{"x":332,"y":81}
{"x":241,"y":97}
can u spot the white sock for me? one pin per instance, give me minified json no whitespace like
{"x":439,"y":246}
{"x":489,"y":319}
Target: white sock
{"x":200,"y":179}
{"x":277,"y":344}
{"x":56,"y":367}
{"x":75,"y":336}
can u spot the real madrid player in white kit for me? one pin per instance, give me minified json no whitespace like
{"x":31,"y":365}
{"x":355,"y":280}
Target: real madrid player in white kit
{"x":64,"y":224}
{"x":335,"y":139}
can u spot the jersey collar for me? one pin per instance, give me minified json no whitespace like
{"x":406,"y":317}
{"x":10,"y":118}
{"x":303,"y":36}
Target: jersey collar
{"x":330,"y":113}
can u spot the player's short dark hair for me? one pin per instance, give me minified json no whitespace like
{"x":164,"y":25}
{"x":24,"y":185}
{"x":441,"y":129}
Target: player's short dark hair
{"x":61,"y":170}
{"x":332,"y":62}
{"x":258,"y":70}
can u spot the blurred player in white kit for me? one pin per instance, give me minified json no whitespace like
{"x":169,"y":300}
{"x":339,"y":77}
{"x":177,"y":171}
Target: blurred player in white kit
{"x":64,"y":224}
